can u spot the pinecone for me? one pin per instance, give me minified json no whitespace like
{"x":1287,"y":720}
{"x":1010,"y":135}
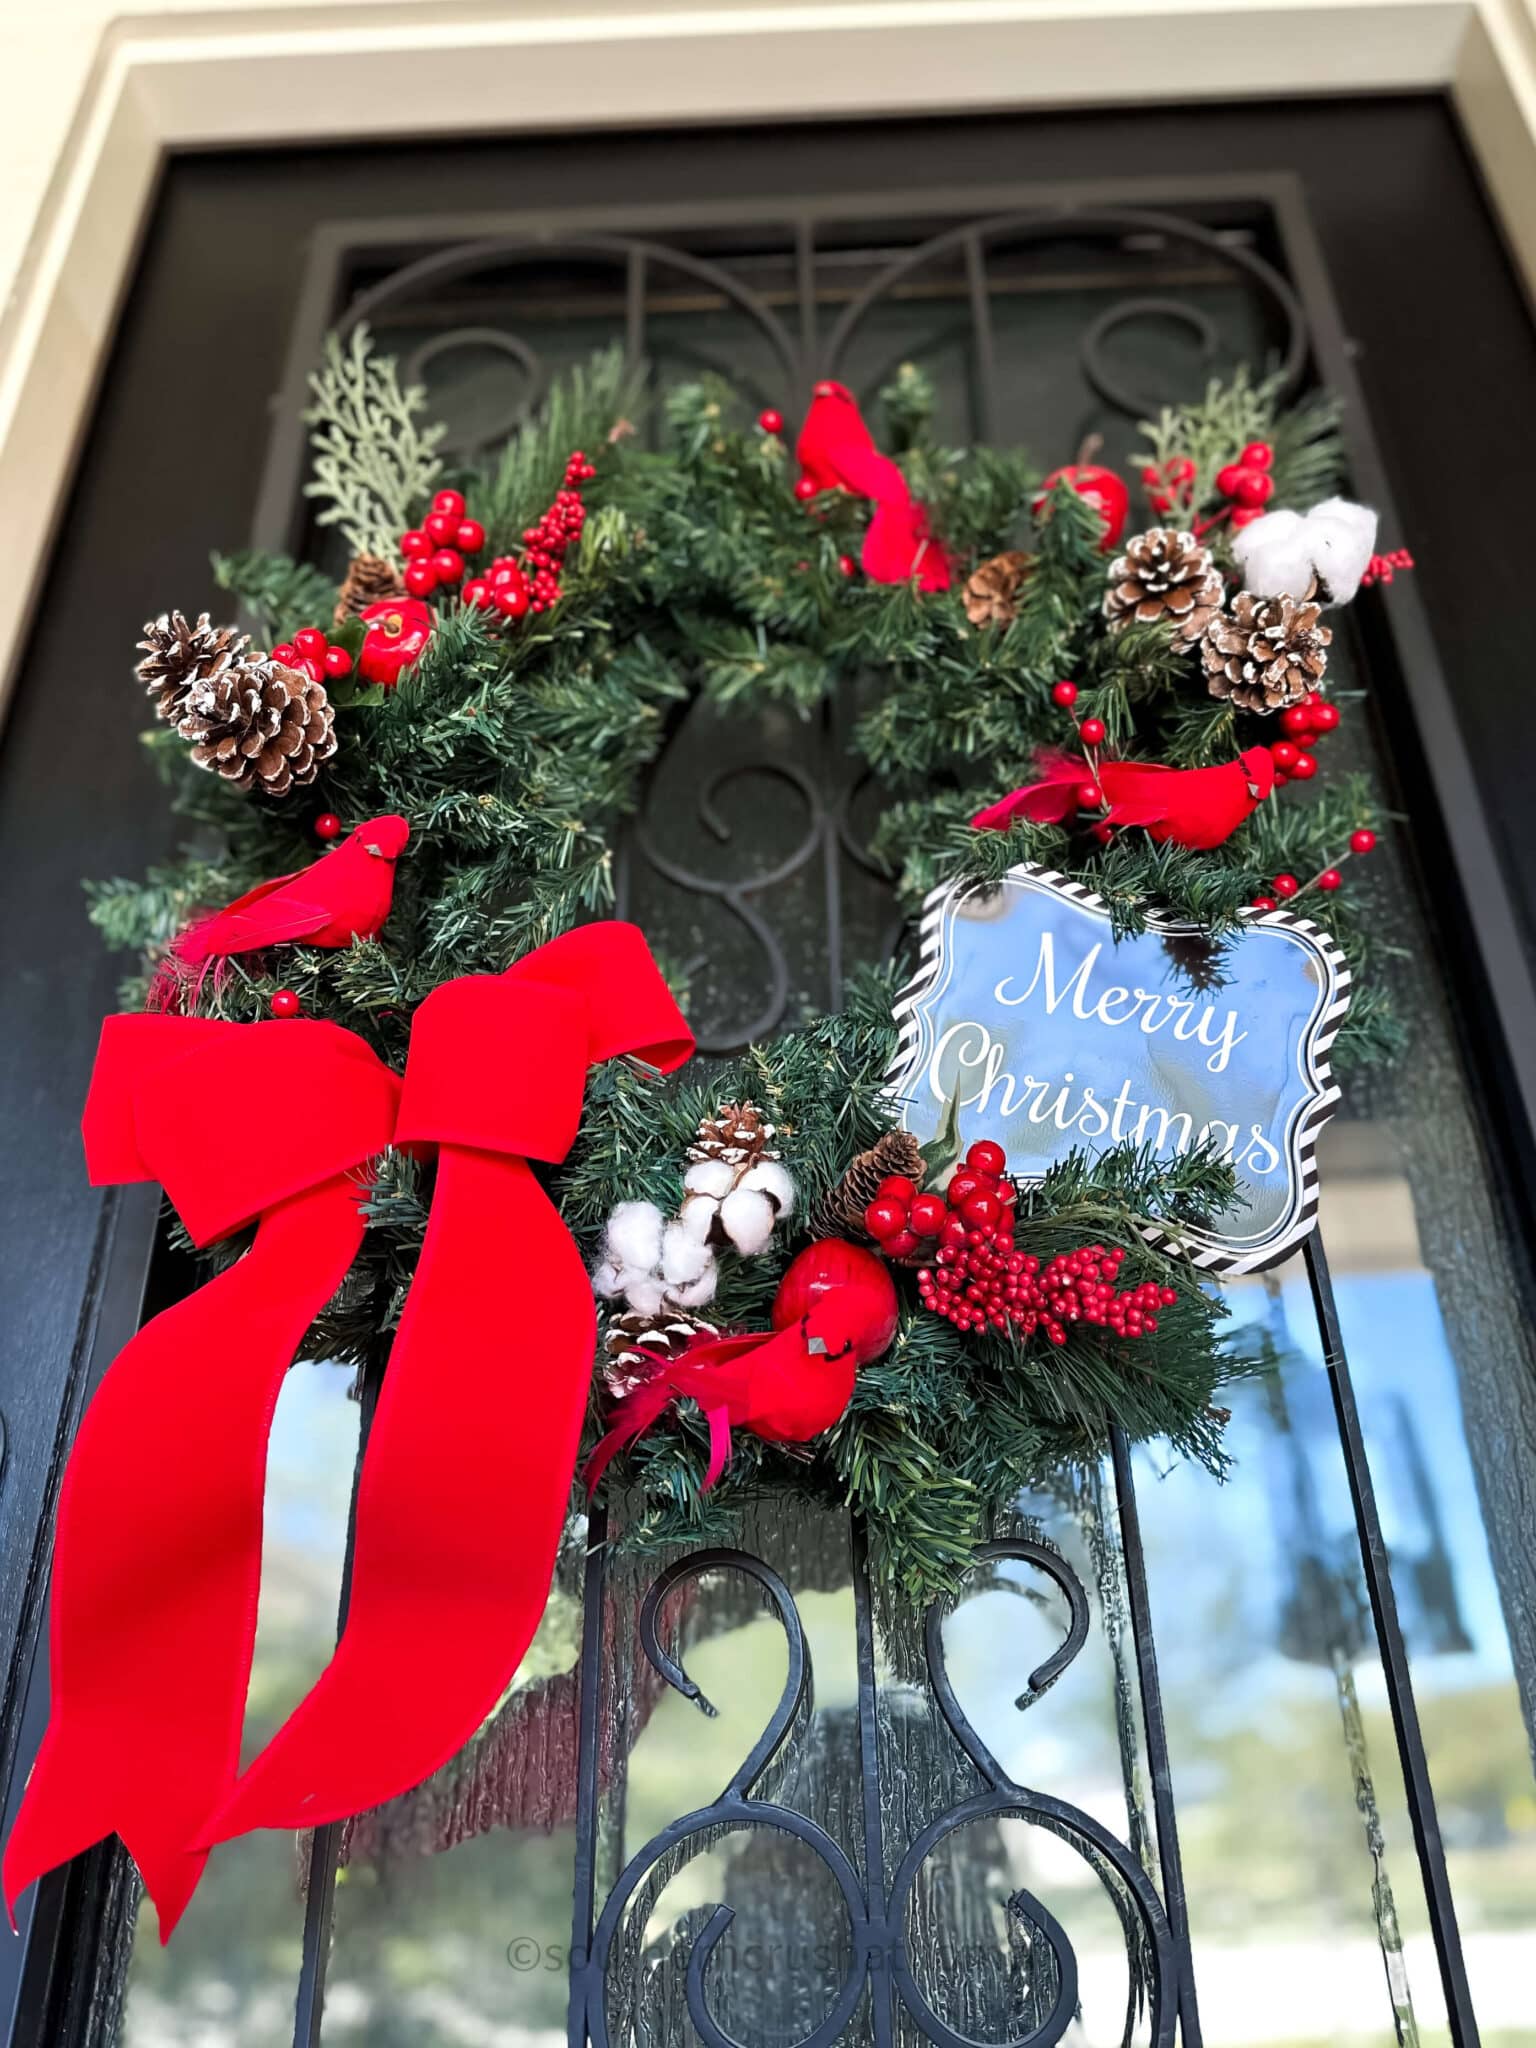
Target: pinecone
{"x":1268,"y":653}
{"x":369,"y":580}
{"x":842,"y":1213}
{"x":176,"y":656}
{"x":636,"y":1343}
{"x":1164,"y":578}
{"x":738,"y":1133}
{"x":992,"y":589}
{"x":260,"y":725}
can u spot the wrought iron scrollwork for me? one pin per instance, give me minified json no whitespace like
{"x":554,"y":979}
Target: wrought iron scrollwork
{"x":878,"y":1918}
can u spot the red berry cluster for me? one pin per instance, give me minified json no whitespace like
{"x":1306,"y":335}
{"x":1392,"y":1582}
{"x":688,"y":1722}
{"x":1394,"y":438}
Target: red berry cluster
{"x":434,"y":551}
{"x":1303,"y":724}
{"x":1361,"y":841}
{"x":1247,"y":483}
{"x":312,"y":654}
{"x":530,"y":582}
{"x":1382,"y":568}
{"x":983,"y":1283}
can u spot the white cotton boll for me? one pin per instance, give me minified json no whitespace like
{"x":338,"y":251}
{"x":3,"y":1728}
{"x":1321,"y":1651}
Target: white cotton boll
{"x":683,"y":1257}
{"x":697,"y":1216}
{"x":633,"y":1235}
{"x":748,"y":1217}
{"x":645,"y":1292}
{"x":770,"y":1179}
{"x":1274,"y":553}
{"x":607,"y":1279}
{"x":1282,"y":552}
{"x":697,"y":1292}
{"x":709,"y":1177}
{"x":1343,"y":535}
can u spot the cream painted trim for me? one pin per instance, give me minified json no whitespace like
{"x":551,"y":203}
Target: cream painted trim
{"x":167,"y":82}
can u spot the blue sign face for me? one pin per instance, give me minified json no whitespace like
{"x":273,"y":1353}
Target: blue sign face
{"x":1053,"y":1035}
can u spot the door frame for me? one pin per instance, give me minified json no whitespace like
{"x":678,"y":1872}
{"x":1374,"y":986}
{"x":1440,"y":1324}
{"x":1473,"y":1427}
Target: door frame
{"x":202,"y":80}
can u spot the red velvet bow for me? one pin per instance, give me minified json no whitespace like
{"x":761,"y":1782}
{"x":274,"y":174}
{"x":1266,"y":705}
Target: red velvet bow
{"x":470,"y":1459}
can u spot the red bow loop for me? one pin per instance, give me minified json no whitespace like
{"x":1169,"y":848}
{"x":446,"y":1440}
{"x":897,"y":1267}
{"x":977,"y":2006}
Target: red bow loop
{"x":153,"y":1069}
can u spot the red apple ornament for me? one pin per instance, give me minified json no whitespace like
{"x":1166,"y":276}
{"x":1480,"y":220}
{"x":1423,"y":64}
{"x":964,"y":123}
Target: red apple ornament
{"x":397,"y":629}
{"x":1107,"y":492}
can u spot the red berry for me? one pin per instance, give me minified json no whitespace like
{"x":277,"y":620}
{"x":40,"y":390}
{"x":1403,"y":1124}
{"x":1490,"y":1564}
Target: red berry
{"x":1265,"y":903}
{"x":450,"y":503}
{"x":1064,"y":694}
{"x":420,"y":578}
{"x":284,"y":654}
{"x":1243,"y":515}
{"x":847,"y":566}
{"x":1362,"y":841}
{"x":1283,"y":754}
{"x":927,"y":1215}
{"x":1257,"y":455}
{"x":337,"y":662}
{"x":284,"y":1003}
{"x":309,"y":640}
{"x":1091,"y":732}
{"x":901,"y":1246}
{"x":1330,"y":878}
{"x":1296,"y":719}
{"x":1088,"y":796}
{"x":512,"y":599}
{"x":1254,"y":488}
{"x":1285,"y":885}
{"x":804,"y":489}
{"x":477,"y":592}
{"x":469,"y":536}
{"x":327,"y":826}
{"x":414,"y":543}
{"x":961,"y":1187}
{"x":884,"y":1218}
{"x":448,"y":565}
{"x":1228,"y":479}
{"x":1305,"y":769}
{"x":1103,"y":833}
{"x":770,"y":421}
{"x":896,"y":1187}
{"x":986,"y":1157}
{"x":981,"y":1210}
{"x":440,"y":527}
{"x":1325,"y":717}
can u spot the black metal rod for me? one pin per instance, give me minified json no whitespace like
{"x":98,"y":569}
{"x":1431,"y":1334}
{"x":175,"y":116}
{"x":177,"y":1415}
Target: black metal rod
{"x":981,"y":325}
{"x":584,"y":1881}
{"x":869,"y":1779}
{"x":1393,"y":1652}
{"x":325,"y":1843}
{"x":1159,"y":1761}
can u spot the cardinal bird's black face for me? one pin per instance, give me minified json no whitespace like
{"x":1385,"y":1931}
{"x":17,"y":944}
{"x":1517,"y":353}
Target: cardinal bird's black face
{"x":385,"y":837}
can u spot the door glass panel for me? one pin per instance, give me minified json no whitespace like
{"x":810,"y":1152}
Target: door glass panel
{"x":1282,"y":1808}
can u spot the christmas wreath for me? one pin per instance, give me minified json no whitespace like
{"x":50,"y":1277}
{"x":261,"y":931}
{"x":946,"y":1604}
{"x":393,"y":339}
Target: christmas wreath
{"x":498,"y":668}
{"x":389,"y":922}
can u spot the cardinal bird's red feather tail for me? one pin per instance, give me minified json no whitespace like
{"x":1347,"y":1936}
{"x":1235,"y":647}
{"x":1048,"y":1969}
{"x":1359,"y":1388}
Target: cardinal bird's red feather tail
{"x":1046,"y":802}
{"x":182,"y":968}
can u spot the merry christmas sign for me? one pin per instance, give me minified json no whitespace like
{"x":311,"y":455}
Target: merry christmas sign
{"x":1052,"y":1034}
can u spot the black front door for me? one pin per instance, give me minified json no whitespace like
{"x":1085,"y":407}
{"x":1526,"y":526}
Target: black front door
{"x":1266,"y":1803}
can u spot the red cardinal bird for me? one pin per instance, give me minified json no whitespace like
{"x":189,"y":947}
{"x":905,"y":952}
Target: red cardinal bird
{"x":1195,"y":807}
{"x":344,"y":896}
{"x":835,"y":1311}
{"x":835,"y":450}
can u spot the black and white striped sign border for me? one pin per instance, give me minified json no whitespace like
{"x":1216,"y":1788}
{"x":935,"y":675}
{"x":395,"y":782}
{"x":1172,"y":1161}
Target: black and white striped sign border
{"x":1211,"y":1253}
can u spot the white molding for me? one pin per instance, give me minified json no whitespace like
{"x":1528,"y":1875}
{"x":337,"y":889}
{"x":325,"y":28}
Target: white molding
{"x":430,"y":69}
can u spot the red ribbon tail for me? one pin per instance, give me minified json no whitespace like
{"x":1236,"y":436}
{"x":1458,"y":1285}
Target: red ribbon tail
{"x":157,"y":1560}
{"x":460,"y":1507}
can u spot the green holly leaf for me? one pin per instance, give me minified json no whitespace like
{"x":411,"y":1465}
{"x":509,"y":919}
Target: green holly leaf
{"x":943,"y":1152}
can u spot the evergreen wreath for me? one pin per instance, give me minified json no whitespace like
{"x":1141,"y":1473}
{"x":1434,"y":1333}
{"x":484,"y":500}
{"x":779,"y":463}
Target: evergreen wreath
{"x":509,"y":713}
